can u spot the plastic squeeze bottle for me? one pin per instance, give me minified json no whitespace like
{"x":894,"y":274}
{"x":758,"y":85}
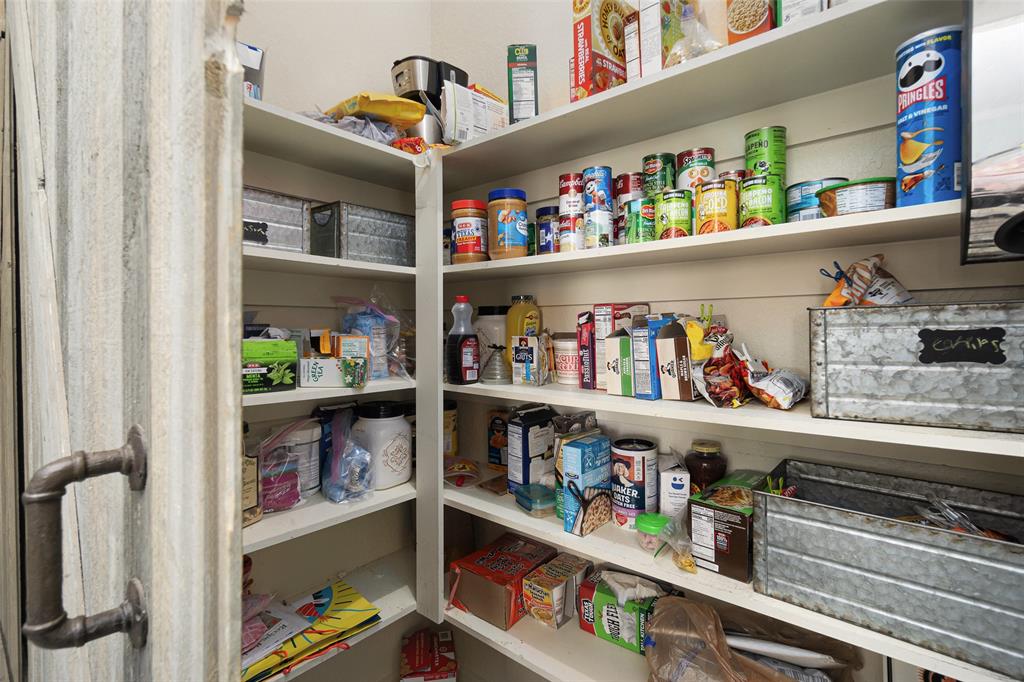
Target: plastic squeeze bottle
{"x":463,"y":347}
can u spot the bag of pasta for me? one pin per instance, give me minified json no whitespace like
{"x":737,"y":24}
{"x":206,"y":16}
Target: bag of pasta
{"x":677,"y":540}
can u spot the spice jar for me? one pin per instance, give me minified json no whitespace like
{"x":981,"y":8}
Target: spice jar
{"x":384,"y":432}
{"x":508,"y":231}
{"x":648,"y":528}
{"x":705,"y":463}
{"x":469,"y":231}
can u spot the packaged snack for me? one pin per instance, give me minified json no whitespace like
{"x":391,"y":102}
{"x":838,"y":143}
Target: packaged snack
{"x":598,"y":60}
{"x":460,"y":471}
{"x":398,"y":111}
{"x":549,"y":592}
{"x":674,"y":534}
{"x":530,"y":444}
{"x":497,"y":440}
{"x":428,"y":656}
{"x":865,"y":282}
{"x":778,"y":388}
{"x":585,"y":340}
{"x":646,"y":379}
{"x":586,"y":472}
{"x":719,"y":378}
{"x":721,"y":524}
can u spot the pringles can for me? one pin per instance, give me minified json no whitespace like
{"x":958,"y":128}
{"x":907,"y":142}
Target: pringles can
{"x":597,"y":189}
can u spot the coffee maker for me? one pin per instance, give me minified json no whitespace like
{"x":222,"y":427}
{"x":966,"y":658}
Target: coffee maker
{"x":421,"y":79}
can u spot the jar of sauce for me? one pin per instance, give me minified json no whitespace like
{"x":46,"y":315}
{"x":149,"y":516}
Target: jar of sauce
{"x":508,"y":231}
{"x":469,"y":231}
{"x":705,"y":463}
{"x":523,"y":319}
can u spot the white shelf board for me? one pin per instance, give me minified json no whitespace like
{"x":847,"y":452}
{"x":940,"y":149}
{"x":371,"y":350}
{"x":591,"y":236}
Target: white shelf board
{"x":613,"y":545}
{"x":389,"y":584}
{"x":299,"y":395}
{"x":289,"y":136}
{"x":318,"y":514}
{"x":810,"y":56}
{"x":558,"y":655}
{"x":263,"y":259}
{"x":910,"y":223}
{"x":756,"y":416}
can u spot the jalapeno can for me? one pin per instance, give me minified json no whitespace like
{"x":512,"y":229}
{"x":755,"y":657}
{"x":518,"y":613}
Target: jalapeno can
{"x":640,"y":223}
{"x":762,"y":201}
{"x":739,"y":175}
{"x":597,"y":226}
{"x":765,"y":151}
{"x":716,"y":206}
{"x":597,"y":189}
{"x":570,"y":232}
{"x":673,"y":214}
{"x":659,"y":173}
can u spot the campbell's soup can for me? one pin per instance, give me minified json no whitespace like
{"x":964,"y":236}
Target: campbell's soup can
{"x":765,"y":151}
{"x":570,"y":232}
{"x":570,"y":194}
{"x":715,"y":204}
{"x":634,"y":480}
{"x":659,"y":173}
{"x":694,"y":166}
{"x":597,"y":189}
{"x":628,"y":184}
{"x":640,"y":223}
{"x":598,"y":226}
{"x":928,"y":117}
{"x":673,"y":214}
{"x":762,"y":201}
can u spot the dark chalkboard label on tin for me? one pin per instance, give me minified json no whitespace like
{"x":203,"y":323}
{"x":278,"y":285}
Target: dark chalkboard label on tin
{"x":254,"y":232}
{"x":981,"y":346}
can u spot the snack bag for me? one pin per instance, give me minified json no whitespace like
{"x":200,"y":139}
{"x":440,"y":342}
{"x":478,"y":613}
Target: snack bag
{"x":866,"y":282}
{"x":380,"y":106}
{"x":778,"y":388}
{"x":719,"y":378}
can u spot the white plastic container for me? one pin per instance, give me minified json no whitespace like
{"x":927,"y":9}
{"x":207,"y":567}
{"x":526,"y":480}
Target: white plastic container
{"x":304,"y":443}
{"x":567,"y":360}
{"x":383,"y":430}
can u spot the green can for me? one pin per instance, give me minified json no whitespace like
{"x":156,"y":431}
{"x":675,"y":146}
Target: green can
{"x":659,"y":173}
{"x":762,"y":201}
{"x":765,"y":151}
{"x":640,"y":223}
{"x":531,"y":239}
{"x":673,"y":214}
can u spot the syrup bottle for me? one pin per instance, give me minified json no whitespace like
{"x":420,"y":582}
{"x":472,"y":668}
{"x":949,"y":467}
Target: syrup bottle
{"x":463,"y":346}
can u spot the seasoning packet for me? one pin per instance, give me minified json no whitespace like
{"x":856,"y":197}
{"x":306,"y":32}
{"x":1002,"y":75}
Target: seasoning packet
{"x":778,"y":388}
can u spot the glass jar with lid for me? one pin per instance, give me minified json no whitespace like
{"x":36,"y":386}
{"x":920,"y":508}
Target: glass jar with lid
{"x":706,"y":464}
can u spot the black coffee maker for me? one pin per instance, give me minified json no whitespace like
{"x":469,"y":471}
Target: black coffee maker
{"x":421,"y":79}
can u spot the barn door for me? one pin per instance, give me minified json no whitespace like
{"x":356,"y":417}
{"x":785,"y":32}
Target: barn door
{"x":128,"y":184}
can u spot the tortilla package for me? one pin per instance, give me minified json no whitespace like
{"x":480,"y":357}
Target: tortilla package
{"x":778,"y":388}
{"x":866,"y":282}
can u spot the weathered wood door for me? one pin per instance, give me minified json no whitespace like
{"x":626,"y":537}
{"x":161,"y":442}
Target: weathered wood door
{"x":128,"y":183}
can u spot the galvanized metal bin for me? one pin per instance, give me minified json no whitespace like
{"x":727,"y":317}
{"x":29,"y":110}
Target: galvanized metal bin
{"x":837,"y":549}
{"x":957,"y":365}
{"x":366,"y":234}
{"x":275,"y":220}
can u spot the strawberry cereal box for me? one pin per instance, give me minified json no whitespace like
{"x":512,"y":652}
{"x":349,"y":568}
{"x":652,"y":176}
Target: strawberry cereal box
{"x":598,"y":46}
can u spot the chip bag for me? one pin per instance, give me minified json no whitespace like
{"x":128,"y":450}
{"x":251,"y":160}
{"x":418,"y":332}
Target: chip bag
{"x":379,"y":106}
{"x":719,"y":378}
{"x":866,"y":282}
{"x":778,"y":388}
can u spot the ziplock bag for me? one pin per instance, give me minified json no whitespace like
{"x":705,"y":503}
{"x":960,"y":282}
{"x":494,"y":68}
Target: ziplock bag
{"x":348,"y":468}
{"x":388,"y":331}
{"x":287,"y":469}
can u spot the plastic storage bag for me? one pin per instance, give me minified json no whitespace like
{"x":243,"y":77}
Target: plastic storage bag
{"x":287,"y":468}
{"x":388,"y":329}
{"x":348,"y":473}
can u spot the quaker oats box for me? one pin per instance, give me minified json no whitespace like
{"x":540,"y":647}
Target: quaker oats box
{"x":549,"y":591}
{"x":674,"y":363}
{"x":608,"y":319}
{"x":598,"y":46}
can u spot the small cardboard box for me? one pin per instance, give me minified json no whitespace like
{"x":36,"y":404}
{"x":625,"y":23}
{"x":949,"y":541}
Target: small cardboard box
{"x":601,"y":615}
{"x":608,"y":319}
{"x":721,"y":524}
{"x":530,"y":444}
{"x":674,"y":364}
{"x":549,"y":591}
{"x":333,"y":372}
{"x":489,"y":582}
{"x":531,"y":362}
{"x":522,"y":82}
{"x":646,"y":380}
{"x":269,"y":365}
{"x":598,"y":47}
{"x":586,"y":477}
{"x":251,"y":58}
{"x":618,"y":352}
{"x":497,"y":440}
{"x":631,"y":37}
{"x":673,"y":491}
{"x":585,"y":342}
{"x":428,"y":656}
{"x":560,"y":441}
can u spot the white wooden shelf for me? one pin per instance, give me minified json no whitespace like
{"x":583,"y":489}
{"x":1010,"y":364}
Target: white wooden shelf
{"x":389,"y":584}
{"x":757,"y":417}
{"x":813,"y":55}
{"x":612,"y":545}
{"x":299,"y":395}
{"x":292,"y":137}
{"x":317,"y":514}
{"x":892,"y":225}
{"x":263,"y":259}
{"x":558,"y":655}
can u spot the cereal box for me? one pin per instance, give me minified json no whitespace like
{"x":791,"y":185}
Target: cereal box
{"x":600,"y":614}
{"x":428,"y":656}
{"x":586,"y":476}
{"x":549,"y":592}
{"x":598,"y":46}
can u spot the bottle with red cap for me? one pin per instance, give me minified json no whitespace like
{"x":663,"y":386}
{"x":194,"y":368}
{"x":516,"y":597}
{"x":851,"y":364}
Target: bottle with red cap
{"x":463,"y":346}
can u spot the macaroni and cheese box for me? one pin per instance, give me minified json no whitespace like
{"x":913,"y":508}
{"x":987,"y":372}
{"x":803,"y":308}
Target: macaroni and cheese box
{"x":721,"y":524}
{"x":600,"y":614}
{"x":549,"y":592}
{"x":586,"y":477}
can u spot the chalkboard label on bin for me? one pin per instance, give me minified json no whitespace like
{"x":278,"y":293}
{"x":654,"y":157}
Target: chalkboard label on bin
{"x":253,"y":231}
{"x":982,"y":346}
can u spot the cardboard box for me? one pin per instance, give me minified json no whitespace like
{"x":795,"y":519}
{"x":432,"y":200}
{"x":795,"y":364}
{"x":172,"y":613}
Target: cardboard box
{"x":549,"y":591}
{"x":721,"y":525}
{"x":530,"y":444}
{"x":468,"y":114}
{"x":618,"y":351}
{"x":560,"y":441}
{"x":269,"y":365}
{"x":585,"y":342}
{"x":598,"y":46}
{"x":427,"y":656}
{"x":251,"y":58}
{"x":522,"y":82}
{"x":755,"y":18}
{"x":601,"y":615}
{"x":531,"y":361}
{"x":651,"y":20}
{"x":673,"y":491}
{"x":586,"y":475}
{"x":333,"y":372}
{"x":790,"y":10}
{"x":608,"y":319}
{"x":674,"y":364}
{"x":631,"y":36}
{"x":497,"y":440}
{"x":646,"y":380}
{"x":489,"y":582}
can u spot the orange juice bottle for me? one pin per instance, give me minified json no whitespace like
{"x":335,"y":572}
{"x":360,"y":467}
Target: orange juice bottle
{"x":523,"y":319}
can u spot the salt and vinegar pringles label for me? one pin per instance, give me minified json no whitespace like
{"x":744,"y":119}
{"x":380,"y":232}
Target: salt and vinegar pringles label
{"x":659,"y":173}
{"x":762,"y":201}
{"x":765,"y":151}
{"x":673,"y":215}
{"x":640,"y":223}
{"x":716,"y":206}
{"x":928,"y":117}
{"x":522,"y":82}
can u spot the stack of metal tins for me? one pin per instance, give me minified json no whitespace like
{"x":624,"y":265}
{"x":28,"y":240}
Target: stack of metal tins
{"x":694,"y":167}
{"x":762,"y":194}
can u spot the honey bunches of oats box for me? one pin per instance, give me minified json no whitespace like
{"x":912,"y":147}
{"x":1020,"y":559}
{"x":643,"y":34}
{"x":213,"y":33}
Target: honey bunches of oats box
{"x":762,"y":201}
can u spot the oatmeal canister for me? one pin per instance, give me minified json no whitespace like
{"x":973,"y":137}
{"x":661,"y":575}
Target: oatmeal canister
{"x":715,"y":206}
{"x":928,"y":117}
{"x":547,"y":229}
{"x":508,"y":226}
{"x":694,"y":167}
{"x":570,"y":232}
{"x":570,"y":194}
{"x":597,"y":189}
{"x":640,"y":223}
{"x":659,"y":173}
{"x":762,"y":201}
{"x":673,"y":214}
{"x":634,"y":480}
{"x":765,"y":151}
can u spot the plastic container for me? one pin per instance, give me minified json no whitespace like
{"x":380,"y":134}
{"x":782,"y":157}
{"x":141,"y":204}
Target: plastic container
{"x":507,"y":224}
{"x":304,"y":445}
{"x":567,"y":360}
{"x":463,"y":346}
{"x":648,"y":527}
{"x":490,"y":330}
{"x":523,"y":319}
{"x":383,"y":430}
{"x":705,"y":463}
{"x":536,"y":500}
{"x":469,"y":231}
{"x":547,"y":230}
{"x":858,"y":196}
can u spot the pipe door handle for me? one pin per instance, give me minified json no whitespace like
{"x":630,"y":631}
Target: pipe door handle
{"x":46,"y":622}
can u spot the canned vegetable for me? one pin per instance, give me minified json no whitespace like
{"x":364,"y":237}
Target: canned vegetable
{"x":659,"y":173}
{"x":716,"y":206}
{"x":640,"y":225}
{"x":762,"y":201}
{"x":672,"y":214}
{"x":765,"y":151}
{"x":597,"y":226}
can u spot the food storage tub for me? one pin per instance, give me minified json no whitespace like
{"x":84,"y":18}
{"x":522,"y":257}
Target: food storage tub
{"x":365,"y":234}
{"x":837,"y":548}
{"x":958,"y":365}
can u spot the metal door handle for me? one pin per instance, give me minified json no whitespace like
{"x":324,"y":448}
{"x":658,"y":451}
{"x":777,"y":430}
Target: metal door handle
{"x":46,"y":622}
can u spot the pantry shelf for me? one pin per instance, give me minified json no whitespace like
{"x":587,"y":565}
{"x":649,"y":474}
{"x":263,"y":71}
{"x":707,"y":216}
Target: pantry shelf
{"x":612,"y":545}
{"x":565,"y":654}
{"x":389,"y":584}
{"x":316,"y":515}
{"x":260,"y":258}
{"x":911,"y":223}
{"x":295,"y":138}
{"x":810,"y":56}
{"x":299,"y":395}
{"x":755,"y":417}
